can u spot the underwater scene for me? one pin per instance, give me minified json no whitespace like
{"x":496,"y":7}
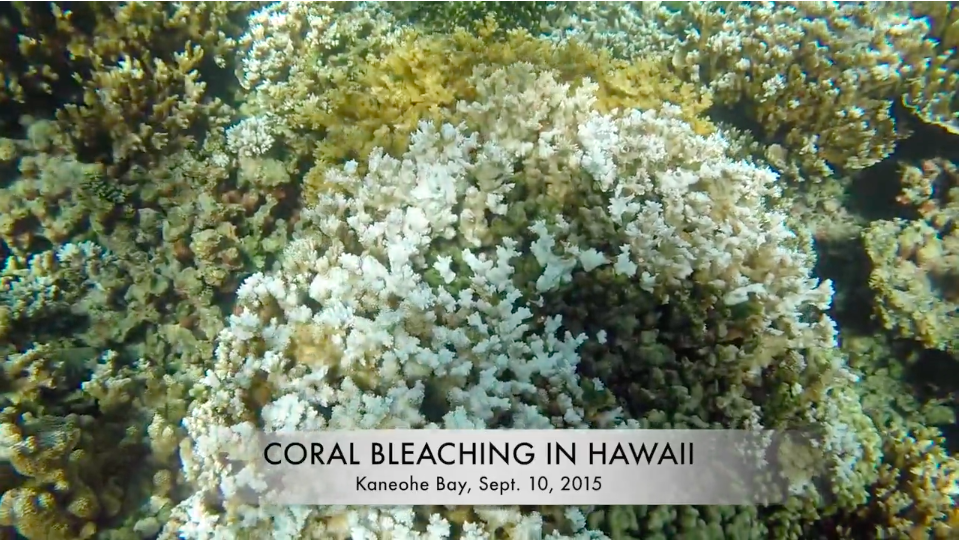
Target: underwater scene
{"x":218,"y":218}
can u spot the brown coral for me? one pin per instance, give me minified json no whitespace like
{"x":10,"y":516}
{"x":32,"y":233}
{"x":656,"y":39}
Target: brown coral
{"x":915,"y":273}
{"x":55,"y":501}
{"x":137,"y":66}
{"x":820,"y":78}
{"x":913,"y":495}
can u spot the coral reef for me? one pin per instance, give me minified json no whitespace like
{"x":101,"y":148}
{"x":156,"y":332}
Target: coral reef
{"x":528,"y":16}
{"x":915,"y":496}
{"x":798,"y":68}
{"x":482,"y":215}
{"x":72,"y":442}
{"x":937,"y":103}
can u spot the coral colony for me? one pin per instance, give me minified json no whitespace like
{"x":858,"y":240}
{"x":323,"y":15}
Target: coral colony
{"x":220,"y":218}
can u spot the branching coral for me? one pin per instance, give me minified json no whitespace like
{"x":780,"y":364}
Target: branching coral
{"x":934,"y":97}
{"x":380,"y":101}
{"x":46,"y":451}
{"x":69,"y":436}
{"x":818,"y":78}
{"x":823,"y":76}
{"x":445,"y":17}
{"x":43,"y":291}
{"x":176,"y":246}
{"x":914,"y":496}
{"x":915,"y":273}
{"x":137,"y":66}
{"x":71,"y":475}
{"x":628,"y":29}
{"x":48,"y":202}
{"x":60,"y":308}
{"x":184,"y":226}
{"x":425,"y":75}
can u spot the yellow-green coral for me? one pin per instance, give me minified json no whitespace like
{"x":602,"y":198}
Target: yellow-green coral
{"x":943,"y":18}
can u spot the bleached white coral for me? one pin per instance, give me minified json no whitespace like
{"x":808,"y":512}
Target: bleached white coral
{"x":251,"y":137}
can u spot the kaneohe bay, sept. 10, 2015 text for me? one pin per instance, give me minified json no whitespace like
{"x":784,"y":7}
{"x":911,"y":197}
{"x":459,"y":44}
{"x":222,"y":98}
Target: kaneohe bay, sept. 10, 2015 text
{"x":542,"y":483}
